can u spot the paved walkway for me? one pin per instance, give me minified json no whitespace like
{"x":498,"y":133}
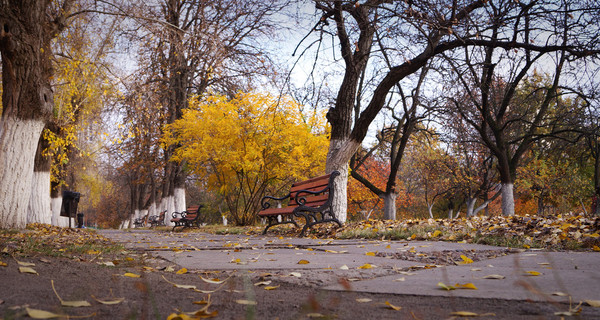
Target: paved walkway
{"x":370,"y":266}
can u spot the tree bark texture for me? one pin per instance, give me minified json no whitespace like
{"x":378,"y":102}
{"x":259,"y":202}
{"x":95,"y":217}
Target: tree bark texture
{"x":26,"y":30}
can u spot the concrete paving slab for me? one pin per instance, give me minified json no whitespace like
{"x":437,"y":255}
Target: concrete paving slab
{"x":564,"y":273}
{"x":532,"y":275}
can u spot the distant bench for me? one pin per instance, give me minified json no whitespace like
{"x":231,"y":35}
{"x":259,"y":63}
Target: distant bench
{"x":140,"y":222}
{"x":188,"y":218}
{"x":310,"y":199}
{"x":157,"y":220}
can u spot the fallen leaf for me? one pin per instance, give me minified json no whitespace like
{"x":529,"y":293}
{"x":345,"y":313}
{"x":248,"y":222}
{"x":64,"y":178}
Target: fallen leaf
{"x":182,"y":271}
{"x":363,"y":300}
{"x":366,"y":266}
{"x":41,"y":314}
{"x":213,"y":281}
{"x":560,"y":294}
{"x":181,"y":286}
{"x":315,"y":315}
{"x":25,"y":264}
{"x":391,"y":306}
{"x":445,"y":287}
{"x":3,"y":264}
{"x":466,"y":260}
{"x":470,"y":314}
{"x":246,"y":302}
{"x":344,"y":267}
{"x":400,"y":279}
{"x":593,"y":303}
{"x":75,"y":304}
{"x":107,"y":263}
{"x":303,"y":261}
{"x":370,"y":254}
{"x":271,"y":287}
{"x":466,"y":286}
{"x":263,"y":283}
{"x":295,"y":274}
{"x":436,"y":233}
{"x":494,"y":276}
{"x":27,"y":270}
{"x":109,"y":302}
{"x":131,"y":275}
{"x":533,"y":273}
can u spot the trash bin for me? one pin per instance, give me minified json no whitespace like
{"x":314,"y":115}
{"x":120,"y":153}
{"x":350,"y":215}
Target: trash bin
{"x":80,"y":220}
{"x":69,"y":204}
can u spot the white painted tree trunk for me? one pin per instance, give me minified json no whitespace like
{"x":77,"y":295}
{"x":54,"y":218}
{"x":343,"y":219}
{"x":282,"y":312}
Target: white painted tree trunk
{"x":389,"y":206}
{"x":430,"y":211}
{"x":340,"y":152}
{"x":55,"y":204}
{"x":18,"y":143}
{"x":470,"y":206}
{"x":39,"y":210}
{"x":179,"y":199}
{"x":168,"y":203}
{"x":508,"y":200}
{"x":152,"y":210}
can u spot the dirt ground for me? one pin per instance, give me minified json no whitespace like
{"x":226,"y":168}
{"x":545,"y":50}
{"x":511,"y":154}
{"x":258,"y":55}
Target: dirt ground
{"x":154,"y":296}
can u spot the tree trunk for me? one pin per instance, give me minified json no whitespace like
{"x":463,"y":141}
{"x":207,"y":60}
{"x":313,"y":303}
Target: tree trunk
{"x":429,"y":210}
{"x":27,"y":98}
{"x":39,"y":210}
{"x":389,"y":205}
{"x":338,"y":156}
{"x":470,"y":206}
{"x":18,"y":141}
{"x":508,"y":200}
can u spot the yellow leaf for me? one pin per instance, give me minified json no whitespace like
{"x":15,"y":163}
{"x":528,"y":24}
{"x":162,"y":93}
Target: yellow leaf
{"x":466,"y":260}
{"x":41,"y":314}
{"x":436,"y":233}
{"x":445,"y":287}
{"x":366,"y":266}
{"x":303,"y":261}
{"x":182,"y":271}
{"x":131,"y":275}
{"x":370,"y":254}
{"x":27,"y":270}
{"x":271,"y":287}
{"x":596,"y":248}
{"x":533,"y":273}
{"x":391,"y":306}
{"x":466,"y":286}
{"x":3,"y":264}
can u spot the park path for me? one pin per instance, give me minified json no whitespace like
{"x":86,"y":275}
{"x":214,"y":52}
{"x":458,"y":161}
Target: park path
{"x":382,"y":266}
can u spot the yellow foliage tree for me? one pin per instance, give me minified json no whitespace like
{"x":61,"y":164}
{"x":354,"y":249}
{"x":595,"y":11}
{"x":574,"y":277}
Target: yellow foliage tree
{"x":248,"y":145}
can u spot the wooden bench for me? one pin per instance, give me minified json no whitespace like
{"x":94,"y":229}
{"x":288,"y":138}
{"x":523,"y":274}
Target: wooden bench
{"x":310,"y":199}
{"x":188,"y":218}
{"x":157,"y":220}
{"x":140,"y":222}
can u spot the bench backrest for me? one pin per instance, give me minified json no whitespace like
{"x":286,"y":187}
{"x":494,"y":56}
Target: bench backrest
{"x":314,"y":184}
{"x":192,"y":210}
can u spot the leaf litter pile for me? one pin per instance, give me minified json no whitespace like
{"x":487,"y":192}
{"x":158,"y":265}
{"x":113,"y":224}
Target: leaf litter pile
{"x":562,"y":232}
